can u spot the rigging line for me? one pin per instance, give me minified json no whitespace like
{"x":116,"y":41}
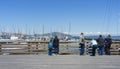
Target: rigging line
{"x":29,"y":31}
{"x":26,"y":29}
{"x":14,"y":31}
{"x":104,"y":17}
{"x":69,"y":28}
{"x":117,"y":26}
{"x":0,"y":29}
{"x":108,"y":17}
{"x":118,"y":23}
{"x":43,"y":31}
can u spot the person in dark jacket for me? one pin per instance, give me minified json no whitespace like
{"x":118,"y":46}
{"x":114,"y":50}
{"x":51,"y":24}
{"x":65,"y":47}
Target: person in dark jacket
{"x":108,"y":42}
{"x":56,"y":45}
{"x":101,"y":42}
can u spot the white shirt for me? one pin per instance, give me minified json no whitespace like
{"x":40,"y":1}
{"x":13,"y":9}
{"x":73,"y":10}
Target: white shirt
{"x":93,"y":42}
{"x":81,"y":38}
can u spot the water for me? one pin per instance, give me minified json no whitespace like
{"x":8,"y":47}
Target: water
{"x":95,"y":37}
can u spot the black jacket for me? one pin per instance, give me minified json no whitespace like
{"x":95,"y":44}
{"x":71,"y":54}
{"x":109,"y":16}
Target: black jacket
{"x":56,"y":43}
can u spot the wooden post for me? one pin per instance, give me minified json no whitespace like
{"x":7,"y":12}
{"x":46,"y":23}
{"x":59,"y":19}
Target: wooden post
{"x":44,"y":43}
{"x":36,"y":48}
{"x":29,"y":48}
{"x":87,"y":48}
{"x":119,"y":50}
{"x":0,"y":48}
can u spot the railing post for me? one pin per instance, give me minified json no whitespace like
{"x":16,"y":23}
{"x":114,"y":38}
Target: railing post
{"x":87,"y":47}
{"x":29,"y":48}
{"x":0,"y":48}
{"x":36,"y":48}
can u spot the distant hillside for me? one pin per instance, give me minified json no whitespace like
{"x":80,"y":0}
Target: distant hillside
{"x":59,"y":34}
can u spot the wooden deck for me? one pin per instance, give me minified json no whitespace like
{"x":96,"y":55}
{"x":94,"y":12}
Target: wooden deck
{"x":59,"y":62}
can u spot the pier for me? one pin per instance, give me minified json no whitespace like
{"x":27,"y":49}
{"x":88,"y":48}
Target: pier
{"x":41,"y":47}
{"x":59,"y":62}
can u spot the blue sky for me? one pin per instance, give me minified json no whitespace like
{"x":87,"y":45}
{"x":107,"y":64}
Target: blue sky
{"x":56,"y":15}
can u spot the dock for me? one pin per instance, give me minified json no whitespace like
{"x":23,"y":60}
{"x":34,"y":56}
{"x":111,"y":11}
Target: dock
{"x":59,"y":62}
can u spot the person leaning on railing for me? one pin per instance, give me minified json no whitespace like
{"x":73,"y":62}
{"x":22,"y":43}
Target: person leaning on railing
{"x":93,"y":45}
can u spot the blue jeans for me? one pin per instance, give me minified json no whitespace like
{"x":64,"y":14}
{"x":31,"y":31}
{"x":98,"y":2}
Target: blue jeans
{"x":101,"y":50}
{"x":107,"y":50}
{"x":94,"y":50}
{"x":82,"y":50}
{"x":56,"y":50}
{"x":50,"y":51}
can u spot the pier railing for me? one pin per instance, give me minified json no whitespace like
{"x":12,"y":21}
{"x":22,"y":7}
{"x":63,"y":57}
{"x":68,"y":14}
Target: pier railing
{"x":41,"y":47}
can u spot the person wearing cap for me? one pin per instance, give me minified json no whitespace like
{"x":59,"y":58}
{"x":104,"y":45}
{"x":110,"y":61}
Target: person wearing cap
{"x":108,"y":42}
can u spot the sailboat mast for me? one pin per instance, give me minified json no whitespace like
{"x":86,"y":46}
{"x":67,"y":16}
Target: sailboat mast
{"x":69,"y":28}
{"x":43,"y":32}
{"x":26,"y":29}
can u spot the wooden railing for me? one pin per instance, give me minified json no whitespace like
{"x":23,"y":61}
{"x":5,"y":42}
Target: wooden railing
{"x":36,"y":47}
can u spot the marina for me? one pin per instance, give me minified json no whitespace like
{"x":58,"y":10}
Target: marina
{"x":59,"y":34}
